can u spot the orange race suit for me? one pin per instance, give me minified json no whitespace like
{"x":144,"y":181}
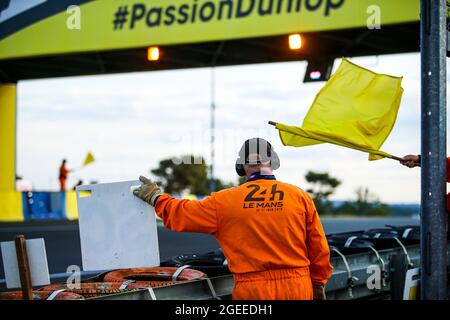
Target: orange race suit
{"x":63,"y":172}
{"x":270,"y":234}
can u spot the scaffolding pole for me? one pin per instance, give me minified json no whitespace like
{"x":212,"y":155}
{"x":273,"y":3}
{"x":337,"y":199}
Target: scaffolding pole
{"x":433,"y":217}
{"x":212,"y":182}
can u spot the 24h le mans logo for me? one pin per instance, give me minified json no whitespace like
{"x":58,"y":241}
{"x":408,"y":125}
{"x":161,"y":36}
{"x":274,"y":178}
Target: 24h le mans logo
{"x":262,"y":200}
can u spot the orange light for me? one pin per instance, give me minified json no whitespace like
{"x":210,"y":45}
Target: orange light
{"x":295,"y":41}
{"x":153,"y":54}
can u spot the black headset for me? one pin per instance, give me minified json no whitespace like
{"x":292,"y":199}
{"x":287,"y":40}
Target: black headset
{"x":244,"y":152}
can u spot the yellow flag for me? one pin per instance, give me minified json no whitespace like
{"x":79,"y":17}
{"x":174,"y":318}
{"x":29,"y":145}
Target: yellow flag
{"x":89,"y":159}
{"x":356,"y":108}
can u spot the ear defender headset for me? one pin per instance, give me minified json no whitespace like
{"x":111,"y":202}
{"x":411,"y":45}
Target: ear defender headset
{"x":264,"y":151}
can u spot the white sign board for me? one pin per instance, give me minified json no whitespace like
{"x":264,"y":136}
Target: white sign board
{"x":117,"y":229}
{"x":37,"y":261}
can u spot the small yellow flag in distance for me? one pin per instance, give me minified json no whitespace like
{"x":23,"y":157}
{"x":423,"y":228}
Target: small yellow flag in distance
{"x":356,"y":108}
{"x":89,"y":159}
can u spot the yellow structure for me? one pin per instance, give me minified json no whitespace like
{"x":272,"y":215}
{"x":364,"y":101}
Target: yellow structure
{"x":7,"y":137}
{"x":11,"y":206}
{"x":134,"y":23}
{"x":71,"y":205}
{"x":10,"y":201}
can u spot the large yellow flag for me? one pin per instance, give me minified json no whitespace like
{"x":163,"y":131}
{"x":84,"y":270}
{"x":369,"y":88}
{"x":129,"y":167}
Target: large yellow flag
{"x":356,"y":108}
{"x":89,"y":159}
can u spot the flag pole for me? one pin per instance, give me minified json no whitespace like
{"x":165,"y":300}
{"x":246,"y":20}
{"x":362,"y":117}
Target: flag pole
{"x":396,"y":158}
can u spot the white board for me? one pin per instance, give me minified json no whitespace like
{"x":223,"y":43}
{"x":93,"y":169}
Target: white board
{"x":37,"y":261}
{"x":117,"y":229}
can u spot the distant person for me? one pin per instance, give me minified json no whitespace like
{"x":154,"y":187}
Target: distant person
{"x":79,"y":183}
{"x":63,"y":173}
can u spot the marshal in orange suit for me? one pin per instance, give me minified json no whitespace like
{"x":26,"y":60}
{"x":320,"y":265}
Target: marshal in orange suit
{"x":269,"y":230}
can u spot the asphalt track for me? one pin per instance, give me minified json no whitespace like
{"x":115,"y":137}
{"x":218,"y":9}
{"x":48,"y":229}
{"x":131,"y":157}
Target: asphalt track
{"x":63,"y":244}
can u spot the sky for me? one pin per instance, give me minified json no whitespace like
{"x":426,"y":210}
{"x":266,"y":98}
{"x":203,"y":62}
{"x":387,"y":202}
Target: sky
{"x":131,"y":121}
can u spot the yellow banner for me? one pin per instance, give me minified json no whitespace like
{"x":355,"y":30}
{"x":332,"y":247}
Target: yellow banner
{"x":118,"y":24}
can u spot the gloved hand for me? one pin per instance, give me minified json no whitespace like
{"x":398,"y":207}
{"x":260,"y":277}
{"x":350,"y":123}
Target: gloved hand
{"x":319,"y":292}
{"x":148,"y":191}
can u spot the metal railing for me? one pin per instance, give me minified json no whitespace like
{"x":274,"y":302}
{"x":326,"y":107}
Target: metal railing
{"x":349,"y":280}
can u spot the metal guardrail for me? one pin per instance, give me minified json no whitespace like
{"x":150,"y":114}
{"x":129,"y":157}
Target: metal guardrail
{"x":349,"y":280}
{"x":205,"y":289}
{"x":345,"y":285}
